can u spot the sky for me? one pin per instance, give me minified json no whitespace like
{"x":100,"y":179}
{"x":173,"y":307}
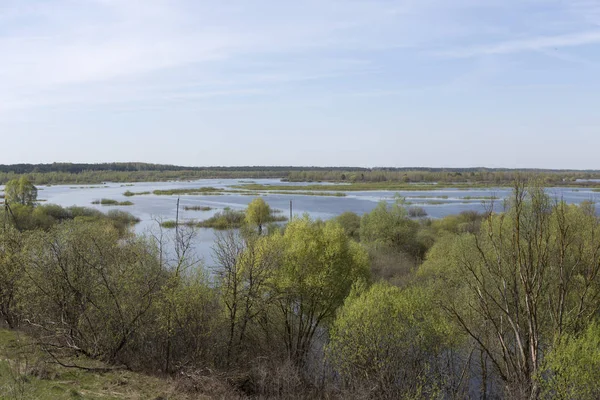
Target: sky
{"x":370,"y":83}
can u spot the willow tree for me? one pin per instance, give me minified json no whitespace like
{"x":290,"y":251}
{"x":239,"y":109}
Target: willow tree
{"x":20,"y":191}
{"x":258,"y":213}
{"x":386,"y":340}
{"x":318,"y":266}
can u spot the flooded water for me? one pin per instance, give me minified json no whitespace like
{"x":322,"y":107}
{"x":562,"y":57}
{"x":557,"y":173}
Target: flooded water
{"x":150,"y":208}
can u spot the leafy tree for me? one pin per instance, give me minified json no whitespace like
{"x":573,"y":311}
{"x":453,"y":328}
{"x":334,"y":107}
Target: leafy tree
{"x":531,"y":274}
{"x":390,"y":225}
{"x":351,"y":223}
{"x":571,"y":370}
{"x":387,"y":340}
{"x":90,"y":289}
{"x":11,"y":274}
{"x":246,"y":263}
{"x":318,"y":266}
{"x":21,"y":191}
{"x":258,"y":213}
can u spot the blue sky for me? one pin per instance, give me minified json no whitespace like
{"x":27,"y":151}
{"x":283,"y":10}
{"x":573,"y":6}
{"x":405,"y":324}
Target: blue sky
{"x":455,"y":83}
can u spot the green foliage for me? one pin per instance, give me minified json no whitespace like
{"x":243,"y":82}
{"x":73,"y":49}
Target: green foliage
{"x":11,"y":274}
{"x":225,"y":219}
{"x":90,"y":288}
{"x":534,"y":268}
{"x":44,"y":217}
{"x":202,"y":190}
{"x":20,"y":191}
{"x":258,"y":213}
{"x":129,"y":193}
{"x":390,"y":225}
{"x":417,"y":212}
{"x":111,"y":202}
{"x":386,"y":339}
{"x":197,"y":208}
{"x":571,"y":370}
{"x":319,"y":265}
{"x":350,"y":222}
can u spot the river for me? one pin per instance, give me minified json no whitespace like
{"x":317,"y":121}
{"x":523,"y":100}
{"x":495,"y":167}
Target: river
{"x":149,"y":208}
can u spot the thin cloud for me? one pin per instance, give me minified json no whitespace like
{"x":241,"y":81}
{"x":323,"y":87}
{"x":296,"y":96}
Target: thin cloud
{"x":525,"y":45}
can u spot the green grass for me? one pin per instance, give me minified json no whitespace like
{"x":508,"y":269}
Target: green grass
{"x":197,"y":208}
{"x":363,"y":186}
{"x":203,"y":191}
{"x":129,"y":193}
{"x":111,"y":202}
{"x":28,"y":373}
{"x":336,"y":194}
{"x":427,"y":197}
{"x":435,"y":202}
{"x":480,"y":198}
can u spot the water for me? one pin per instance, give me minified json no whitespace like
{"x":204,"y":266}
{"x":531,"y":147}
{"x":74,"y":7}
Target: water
{"x":150,"y":208}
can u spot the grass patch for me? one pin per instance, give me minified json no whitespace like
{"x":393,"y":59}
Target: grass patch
{"x":435,"y":202}
{"x":129,"y":193}
{"x":428,"y":197}
{"x":26,"y":372}
{"x":111,"y":202}
{"x":208,"y":190}
{"x":299,"y":193}
{"x":197,"y":208}
{"x":362,"y":186}
{"x":480,"y":198}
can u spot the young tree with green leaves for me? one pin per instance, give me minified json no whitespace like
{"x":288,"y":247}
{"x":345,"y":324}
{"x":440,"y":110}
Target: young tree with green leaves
{"x":386,"y":341}
{"x":258,"y":213}
{"x":571,"y":369}
{"x":20,"y":191}
{"x":317,"y":268}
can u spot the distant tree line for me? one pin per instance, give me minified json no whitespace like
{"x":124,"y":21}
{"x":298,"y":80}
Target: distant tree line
{"x":60,"y":173}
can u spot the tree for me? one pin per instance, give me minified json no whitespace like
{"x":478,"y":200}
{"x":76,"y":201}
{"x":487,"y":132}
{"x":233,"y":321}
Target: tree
{"x":258,"y":213}
{"x":11,"y":274}
{"x":245,"y":266}
{"x":318,"y":266}
{"x":386,"y":339}
{"x":390,"y":226}
{"x":90,"y":289}
{"x":531,"y":274}
{"x":571,"y":370}
{"x":351,"y":223}
{"x":21,"y":191}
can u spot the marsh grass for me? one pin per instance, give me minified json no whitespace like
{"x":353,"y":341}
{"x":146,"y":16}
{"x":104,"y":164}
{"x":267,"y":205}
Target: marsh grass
{"x":362,"y":186}
{"x":129,"y":193}
{"x":299,"y":193}
{"x":208,"y":190}
{"x":197,"y":208}
{"x":480,"y":198}
{"x":111,"y":202}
